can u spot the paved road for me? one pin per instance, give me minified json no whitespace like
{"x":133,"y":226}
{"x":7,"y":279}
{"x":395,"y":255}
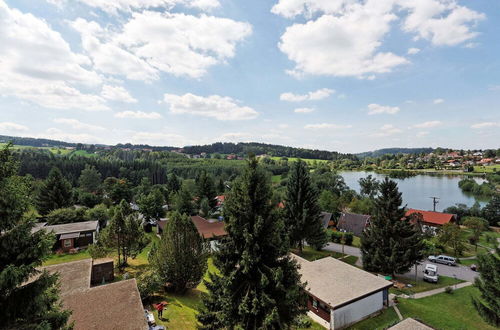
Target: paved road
{"x":461,"y":272}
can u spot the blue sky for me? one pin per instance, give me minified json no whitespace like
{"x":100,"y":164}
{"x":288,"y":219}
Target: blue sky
{"x":345,"y":75}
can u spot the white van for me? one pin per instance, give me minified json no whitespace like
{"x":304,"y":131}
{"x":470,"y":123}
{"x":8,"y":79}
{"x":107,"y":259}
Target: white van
{"x":431,"y":273}
{"x":450,"y":261}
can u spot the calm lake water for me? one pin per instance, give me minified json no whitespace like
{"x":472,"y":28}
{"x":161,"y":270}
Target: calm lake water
{"x":417,"y":190}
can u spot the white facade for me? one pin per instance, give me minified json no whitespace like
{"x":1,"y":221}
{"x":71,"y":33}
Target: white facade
{"x":356,"y":311}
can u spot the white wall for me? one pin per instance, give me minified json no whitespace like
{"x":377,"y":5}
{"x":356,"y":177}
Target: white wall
{"x":358,"y":310}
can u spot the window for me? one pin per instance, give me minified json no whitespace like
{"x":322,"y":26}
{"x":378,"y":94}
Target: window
{"x":67,"y":242}
{"x":315,"y":303}
{"x":88,"y":234}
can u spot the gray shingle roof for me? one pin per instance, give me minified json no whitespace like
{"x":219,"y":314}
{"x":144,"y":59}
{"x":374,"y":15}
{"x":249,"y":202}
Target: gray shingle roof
{"x":352,"y":222}
{"x":70,"y":227}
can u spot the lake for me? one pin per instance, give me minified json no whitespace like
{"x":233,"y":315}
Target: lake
{"x":417,"y":190}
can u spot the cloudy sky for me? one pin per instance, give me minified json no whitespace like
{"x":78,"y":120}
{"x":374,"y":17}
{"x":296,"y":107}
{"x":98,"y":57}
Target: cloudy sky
{"x":346,"y":75}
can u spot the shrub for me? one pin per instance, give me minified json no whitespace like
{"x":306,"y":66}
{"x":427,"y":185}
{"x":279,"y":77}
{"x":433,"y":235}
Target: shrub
{"x":348,"y":238}
{"x":448,"y":290}
{"x":336,"y":236}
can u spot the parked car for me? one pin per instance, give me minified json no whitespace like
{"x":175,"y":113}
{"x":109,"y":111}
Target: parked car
{"x":450,"y":261}
{"x":431,"y":273}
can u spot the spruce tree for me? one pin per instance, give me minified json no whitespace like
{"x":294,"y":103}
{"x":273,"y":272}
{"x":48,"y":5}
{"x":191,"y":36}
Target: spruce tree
{"x":258,"y":285}
{"x":90,"y":179}
{"x":302,"y":212}
{"x":54,"y":193}
{"x":206,"y":188}
{"x":390,"y":244}
{"x":488,"y":283}
{"x":24,"y":306}
{"x":180,"y":257}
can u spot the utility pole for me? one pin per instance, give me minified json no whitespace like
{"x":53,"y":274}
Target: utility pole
{"x":435,"y":201}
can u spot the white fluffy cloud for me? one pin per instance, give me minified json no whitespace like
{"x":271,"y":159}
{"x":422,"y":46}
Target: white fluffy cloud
{"x":117,"y":93}
{"x":57,"y":134}
{"x":152,"y":42}
{"x":326,"y":126}
{"x":116,"y":6}
{"x":438,"y":101}
{"x":7,"y":126}
{"x":138,"y":115}
{"x":38,"y":65}
{"x":428,"y":124}
{"x":485,"y":124}
{"x":413,"y":51}
{"x":303,"y":110}
{"x":77,"y":125}
{"x":387,"y":130}
{"x":310,"y":96}
{"x":344,"y":37}
{"x":213,"y":106}
{"x":375,"y":109}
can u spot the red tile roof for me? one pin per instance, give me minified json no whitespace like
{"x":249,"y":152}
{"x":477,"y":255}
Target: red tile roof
{"x":431,"y":217}
{"x":209,"y":229}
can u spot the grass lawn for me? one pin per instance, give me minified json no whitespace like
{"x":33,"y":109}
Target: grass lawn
{"x":468,"y":262}
{"x":276,"y":179}
{"x":446,"y":311}
{"x":487,"y":169}
{"x":55,"y":259}
{"x":387,"y":318}
{"x":422,"y":286}
{"x":356,"y":242}
{"x":308,"y":161}
{"x":311,"y":254}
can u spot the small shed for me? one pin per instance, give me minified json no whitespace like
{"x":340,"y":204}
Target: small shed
{"x":72,"y":235}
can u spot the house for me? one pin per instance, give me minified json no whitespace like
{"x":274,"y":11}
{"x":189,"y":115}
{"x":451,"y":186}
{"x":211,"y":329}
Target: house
{"x":71,"y":235}
{"x":220,"y":200}
{"x":326,"y":219}
{"x":340,"y":294}
{"x":353,"y":223}
{"x":110,"y":306}
{"x":433,"y":220}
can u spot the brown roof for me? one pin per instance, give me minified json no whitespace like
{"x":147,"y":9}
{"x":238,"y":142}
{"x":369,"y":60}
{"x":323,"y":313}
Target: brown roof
{"x":111,"y":306}
{"x":436,"y":218}
{"x":209,"y":229}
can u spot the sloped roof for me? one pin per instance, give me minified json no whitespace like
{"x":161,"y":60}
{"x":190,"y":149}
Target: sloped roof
{"x":67,"y":228}
{"x":410,"y":324}
{"x":337,"y":283}
{"x":325,"y":218}
{"x":436,"y":218}
{"x":111,"y":306}
{"x":353,"y":223}
{"x":209,"y":229}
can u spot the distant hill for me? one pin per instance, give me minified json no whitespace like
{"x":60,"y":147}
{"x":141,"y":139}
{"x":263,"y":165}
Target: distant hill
{"x":394,"y":151}
{"x":244,"y":148}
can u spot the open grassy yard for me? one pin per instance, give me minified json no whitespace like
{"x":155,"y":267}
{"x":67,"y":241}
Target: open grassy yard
{"x":487,"y":169}
{"x":446,"y":311}
{"x":311,"y":254}
{"x":55,"y":259}
{"x":387,"y":318}
{"x":308,"y":161}
{"x":422,"y":286}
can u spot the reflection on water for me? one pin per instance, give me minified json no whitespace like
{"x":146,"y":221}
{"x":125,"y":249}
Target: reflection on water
{"x":417,"y":190}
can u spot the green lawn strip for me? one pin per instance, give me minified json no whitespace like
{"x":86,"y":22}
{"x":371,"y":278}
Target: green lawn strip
{"x":387,"y":318}
{"x":468,"y":262}
{"x":422,"y":286}
{"x":356,"y":242}
{"x":487,"y":169}
{"x":276,"y":178}
{"x":311,"y":254}
{"x":308,"y":161}
{"x":446,"y":311}
{"x":55,"y":258}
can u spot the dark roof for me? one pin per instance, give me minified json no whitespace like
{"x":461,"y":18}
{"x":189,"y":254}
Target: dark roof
{"x":435,"y":218}
{"x":325,"y":219}
{"x":209,"y":229}
{"x":111,"y":306}
{"x":67,"y":228}
{"x":353,"y":223}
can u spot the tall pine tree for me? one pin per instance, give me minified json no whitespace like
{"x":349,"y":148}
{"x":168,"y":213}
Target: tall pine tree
{"x":54,"y":193}
{"x":24,"y":306}
{"x":302,"y":212}
{"x":258,"y":286}
{"x":488,"y":283}
{"x":391,"y":244}
{"x":180,"y":257}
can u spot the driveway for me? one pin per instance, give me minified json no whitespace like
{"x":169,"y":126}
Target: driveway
{"x":460,"y":272}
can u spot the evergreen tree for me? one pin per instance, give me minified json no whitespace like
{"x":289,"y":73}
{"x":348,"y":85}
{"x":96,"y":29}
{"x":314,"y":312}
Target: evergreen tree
{"x":302,"y":212}
{"x":54,"y":193}
{"x":391,"y":244}
{"x":258,"y":285}
{"x":124,"y":233}
{"x":488,"y":284}
{"x":90,"y":179}
{"x":117,"y":189}
{"x":180,"y":257}
{"x":491,"y":211}
{"x":368,"y":186}
{"x":182,"y":202}
{"x":205,"y":188}
{"x":173,"y":183}
{"x":151,"y":205}
{"x":24,"y":306}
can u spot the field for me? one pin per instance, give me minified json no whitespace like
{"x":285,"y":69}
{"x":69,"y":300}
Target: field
{"x":308,"y":161}
{"x":422,"y":286}
{"x":487,"y":169}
